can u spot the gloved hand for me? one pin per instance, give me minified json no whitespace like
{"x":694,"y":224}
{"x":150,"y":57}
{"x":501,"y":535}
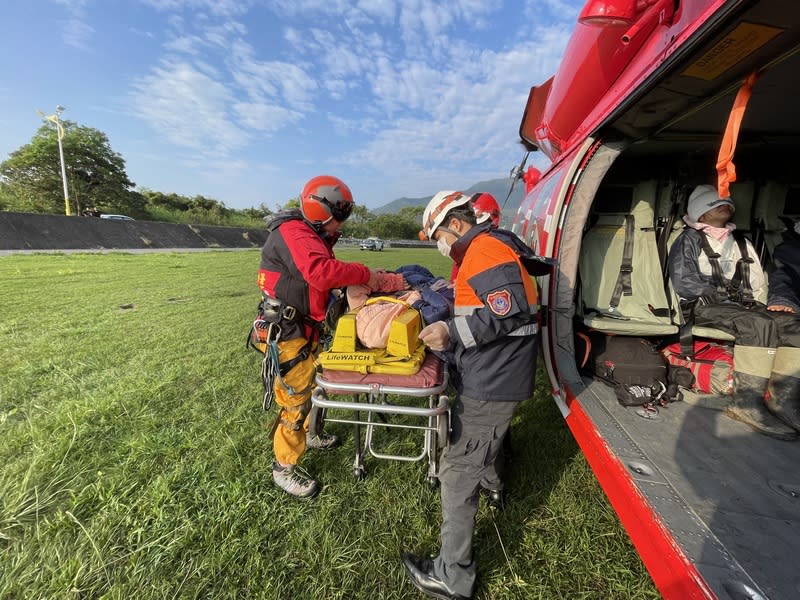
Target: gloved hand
{"x":381,"y":281}
{"x":436,"y":336}
{"x":374,"y":278}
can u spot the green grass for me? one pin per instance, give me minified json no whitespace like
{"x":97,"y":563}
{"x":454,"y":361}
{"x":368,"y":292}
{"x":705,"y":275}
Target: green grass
{"x":135,"y":461}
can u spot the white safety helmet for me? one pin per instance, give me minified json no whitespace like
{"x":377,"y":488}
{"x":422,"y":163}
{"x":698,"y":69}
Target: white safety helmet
{"x":437,"y":210}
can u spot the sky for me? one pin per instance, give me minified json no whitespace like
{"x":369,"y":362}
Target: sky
{"x":243,"y":101}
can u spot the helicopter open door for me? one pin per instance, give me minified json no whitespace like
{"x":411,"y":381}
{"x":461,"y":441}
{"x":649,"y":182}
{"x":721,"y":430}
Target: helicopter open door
{"x":710,"y":505}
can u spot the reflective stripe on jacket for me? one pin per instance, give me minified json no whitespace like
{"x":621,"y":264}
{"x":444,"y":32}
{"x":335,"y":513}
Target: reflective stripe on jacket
{"x":494,"y":335}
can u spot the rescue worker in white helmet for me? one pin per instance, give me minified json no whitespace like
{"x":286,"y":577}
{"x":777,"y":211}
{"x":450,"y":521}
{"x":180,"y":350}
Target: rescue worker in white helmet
{"x":719,"y":280}
{"x":297,"y":274}
{"x":487,"y":210}
{"x":493,"y":338}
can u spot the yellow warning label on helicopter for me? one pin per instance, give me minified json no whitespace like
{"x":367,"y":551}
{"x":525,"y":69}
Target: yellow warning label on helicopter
{"x":730,"y":50}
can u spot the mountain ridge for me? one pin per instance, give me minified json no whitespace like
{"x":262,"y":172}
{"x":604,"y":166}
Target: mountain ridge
{"x":496,"y":187}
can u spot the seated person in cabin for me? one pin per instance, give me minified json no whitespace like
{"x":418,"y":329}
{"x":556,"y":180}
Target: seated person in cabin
{"x":712,"y":270}
{"x":784,"y":277}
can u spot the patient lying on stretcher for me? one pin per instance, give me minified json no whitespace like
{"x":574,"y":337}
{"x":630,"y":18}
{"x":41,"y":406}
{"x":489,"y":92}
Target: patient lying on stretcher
{"x":380,"y":333}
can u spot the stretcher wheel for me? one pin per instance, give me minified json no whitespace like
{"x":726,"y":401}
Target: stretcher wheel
{"x":442,"y":425}
{"x":360,"y":473}
{"x":433,"y":482}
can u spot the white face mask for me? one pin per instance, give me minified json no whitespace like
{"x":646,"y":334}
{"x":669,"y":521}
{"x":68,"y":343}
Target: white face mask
{"x":443,"y":246}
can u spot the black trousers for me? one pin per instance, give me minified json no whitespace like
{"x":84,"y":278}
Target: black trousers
{"x":755,"y":326}
{"x":468,"y":463}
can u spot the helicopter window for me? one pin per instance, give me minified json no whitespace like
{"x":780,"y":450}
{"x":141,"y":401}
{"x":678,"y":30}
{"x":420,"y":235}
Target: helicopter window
{"x":614,"y":200}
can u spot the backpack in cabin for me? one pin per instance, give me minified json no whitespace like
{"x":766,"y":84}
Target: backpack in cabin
{"x":711,"y":364}
{"x":633,"y":366}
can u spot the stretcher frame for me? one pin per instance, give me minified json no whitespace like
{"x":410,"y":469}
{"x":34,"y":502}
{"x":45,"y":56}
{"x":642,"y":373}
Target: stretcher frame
{"x":370,"y":398}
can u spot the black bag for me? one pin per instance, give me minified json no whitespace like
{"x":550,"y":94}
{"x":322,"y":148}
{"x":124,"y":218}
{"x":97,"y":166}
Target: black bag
{"x":633,"y":366}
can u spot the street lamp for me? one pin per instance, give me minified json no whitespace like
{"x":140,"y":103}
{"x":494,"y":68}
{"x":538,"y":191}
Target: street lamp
{"x":59,"y":135}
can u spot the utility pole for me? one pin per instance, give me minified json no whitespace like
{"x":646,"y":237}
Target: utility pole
{"x":59,"y":135}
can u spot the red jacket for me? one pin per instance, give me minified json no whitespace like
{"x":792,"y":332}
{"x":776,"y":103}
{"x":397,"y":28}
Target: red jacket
{"x":298,"y":268}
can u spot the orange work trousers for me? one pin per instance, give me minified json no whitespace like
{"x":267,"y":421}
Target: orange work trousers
{"x":293,"y":395}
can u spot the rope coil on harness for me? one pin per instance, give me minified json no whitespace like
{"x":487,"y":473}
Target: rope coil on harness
{"x":272,"y":369}
{"x":270,"y":365}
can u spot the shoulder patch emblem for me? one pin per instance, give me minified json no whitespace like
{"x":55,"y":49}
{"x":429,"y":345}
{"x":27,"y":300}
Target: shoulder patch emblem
{"x":499,"y":302}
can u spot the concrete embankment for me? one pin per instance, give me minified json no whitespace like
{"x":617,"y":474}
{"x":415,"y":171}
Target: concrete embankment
{"x":27,"y":231}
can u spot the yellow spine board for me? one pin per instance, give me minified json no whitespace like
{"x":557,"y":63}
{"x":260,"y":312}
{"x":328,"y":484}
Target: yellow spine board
{"x":373,"y":361}
{"x":404,"y":334}
{"x":344,"y":338}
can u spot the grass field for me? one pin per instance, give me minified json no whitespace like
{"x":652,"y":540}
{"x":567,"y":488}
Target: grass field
{"x":135,"y":463}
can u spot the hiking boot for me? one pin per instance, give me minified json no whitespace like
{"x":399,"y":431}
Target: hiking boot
{"x":323,"y":441}
{"x":747,"y":405}
{"x":495,"y":499}
{"x":783,"y":399}
{"x":292,"y":482}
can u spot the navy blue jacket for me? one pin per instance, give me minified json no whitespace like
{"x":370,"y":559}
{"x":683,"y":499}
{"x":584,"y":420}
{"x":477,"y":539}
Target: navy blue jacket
{"x":784,"y":277}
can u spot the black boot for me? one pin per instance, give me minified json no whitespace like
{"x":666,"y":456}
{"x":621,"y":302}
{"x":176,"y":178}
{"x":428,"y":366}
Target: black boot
{"x":784,"y":386}
{"x":784,"y":399}
{"x":420,"y":571}
{"x":495,"y":497}
{"x":747,"y":406}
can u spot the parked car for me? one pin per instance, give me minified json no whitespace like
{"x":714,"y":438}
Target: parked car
{"x":371,"y":243}
{"x":117,"y":217}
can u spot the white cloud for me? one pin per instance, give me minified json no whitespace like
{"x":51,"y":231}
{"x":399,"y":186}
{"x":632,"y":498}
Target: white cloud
{"x":340,"y":59}
{"x":422,"y":98}
{"x":139,"y":32}
{"x":74,"y":6}
{"x":564,"y":10}
{"x":424,"y":25}
{"x":265,"y":117}
{"x":221,"y":35}
{"x":382,"y":10}
{"x":187,"y":44}
{"x":188,"y":107}
{"x":463,"y":117}
{"x":214,"y":7}
{"x":311,"y":7}
{"x":274,"y":80}
{"x":77,"y":33}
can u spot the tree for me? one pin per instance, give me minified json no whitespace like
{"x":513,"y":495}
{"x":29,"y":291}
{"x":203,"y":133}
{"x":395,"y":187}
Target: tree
{"x":95,"y":173}
{"x":290,"y":204}
{"x":412,"y":213}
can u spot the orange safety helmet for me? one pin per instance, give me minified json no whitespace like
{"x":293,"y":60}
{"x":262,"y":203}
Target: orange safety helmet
{"x":486,"y":207}
{"x":324,"y":198}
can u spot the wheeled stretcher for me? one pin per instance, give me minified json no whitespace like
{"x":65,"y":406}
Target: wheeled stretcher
{"x":369,"y":407}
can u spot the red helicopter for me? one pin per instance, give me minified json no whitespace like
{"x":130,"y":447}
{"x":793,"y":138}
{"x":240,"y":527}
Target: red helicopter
{"x":652,"y":98}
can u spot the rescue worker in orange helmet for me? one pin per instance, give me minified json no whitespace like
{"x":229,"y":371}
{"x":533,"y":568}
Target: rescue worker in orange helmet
{"x":494,"y":340}
{"x":297,"y":274}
